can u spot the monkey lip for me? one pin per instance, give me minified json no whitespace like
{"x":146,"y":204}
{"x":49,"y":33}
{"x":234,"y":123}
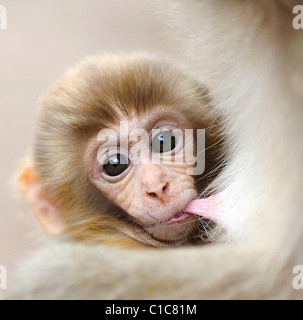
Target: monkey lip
{"x":178,"y":217}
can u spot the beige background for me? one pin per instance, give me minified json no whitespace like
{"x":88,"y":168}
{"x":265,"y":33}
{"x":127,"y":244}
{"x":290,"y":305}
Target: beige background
{"x":43,"y":39}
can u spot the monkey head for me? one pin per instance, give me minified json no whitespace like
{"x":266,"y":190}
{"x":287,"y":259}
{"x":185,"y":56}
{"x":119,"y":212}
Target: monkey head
{"x":112,"y":158}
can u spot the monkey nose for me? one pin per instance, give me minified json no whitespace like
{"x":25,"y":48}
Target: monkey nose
{"x":159,"y":192}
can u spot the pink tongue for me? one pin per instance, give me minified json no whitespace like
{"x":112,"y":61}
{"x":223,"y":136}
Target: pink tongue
{"x":203,"y":207}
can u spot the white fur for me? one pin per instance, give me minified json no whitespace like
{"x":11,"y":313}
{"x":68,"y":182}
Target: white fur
{"x":250,"y":54}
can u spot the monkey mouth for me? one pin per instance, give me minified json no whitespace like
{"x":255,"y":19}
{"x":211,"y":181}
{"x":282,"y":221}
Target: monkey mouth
{"x":178,"y":217}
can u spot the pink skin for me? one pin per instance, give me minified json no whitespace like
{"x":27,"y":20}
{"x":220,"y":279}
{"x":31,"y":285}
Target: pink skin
{"x":203,"y":207}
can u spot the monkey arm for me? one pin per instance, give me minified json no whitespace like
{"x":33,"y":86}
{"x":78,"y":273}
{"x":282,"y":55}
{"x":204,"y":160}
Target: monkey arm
{"x":75,"y":271}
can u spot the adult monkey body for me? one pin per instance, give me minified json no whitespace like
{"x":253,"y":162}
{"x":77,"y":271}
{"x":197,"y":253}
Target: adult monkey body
{"x":258,"y":90}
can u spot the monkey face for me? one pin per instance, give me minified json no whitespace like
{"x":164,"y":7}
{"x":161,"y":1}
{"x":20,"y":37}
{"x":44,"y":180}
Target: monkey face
{"x":111,"y":154}
{"x":147,"y":172}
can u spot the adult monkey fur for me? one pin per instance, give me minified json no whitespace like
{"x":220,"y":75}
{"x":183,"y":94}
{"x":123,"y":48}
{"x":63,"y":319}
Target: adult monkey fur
{"x":90,"y":121}
{"x":253,"y":57}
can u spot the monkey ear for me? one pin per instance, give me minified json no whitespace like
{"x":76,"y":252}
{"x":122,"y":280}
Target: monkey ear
{"x":43,"y":207}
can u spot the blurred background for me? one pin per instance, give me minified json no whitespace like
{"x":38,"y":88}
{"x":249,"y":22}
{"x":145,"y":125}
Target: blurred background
{"x":43,"y":39}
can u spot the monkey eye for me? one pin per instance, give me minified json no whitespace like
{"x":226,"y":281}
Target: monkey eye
{"x":164,"y":142}
{"x":115,"y":165}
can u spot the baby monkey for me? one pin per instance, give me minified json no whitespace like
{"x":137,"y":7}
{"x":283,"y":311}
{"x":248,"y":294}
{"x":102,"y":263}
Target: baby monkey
{"x":116,"y":153}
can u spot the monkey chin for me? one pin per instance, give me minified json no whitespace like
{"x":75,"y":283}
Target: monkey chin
{"x":181,"y":229}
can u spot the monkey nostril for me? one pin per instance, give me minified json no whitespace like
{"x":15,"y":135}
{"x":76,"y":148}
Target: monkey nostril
{"x":158,"y":194}
{"x":165,"y":187}
{"x":152,"y":194}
